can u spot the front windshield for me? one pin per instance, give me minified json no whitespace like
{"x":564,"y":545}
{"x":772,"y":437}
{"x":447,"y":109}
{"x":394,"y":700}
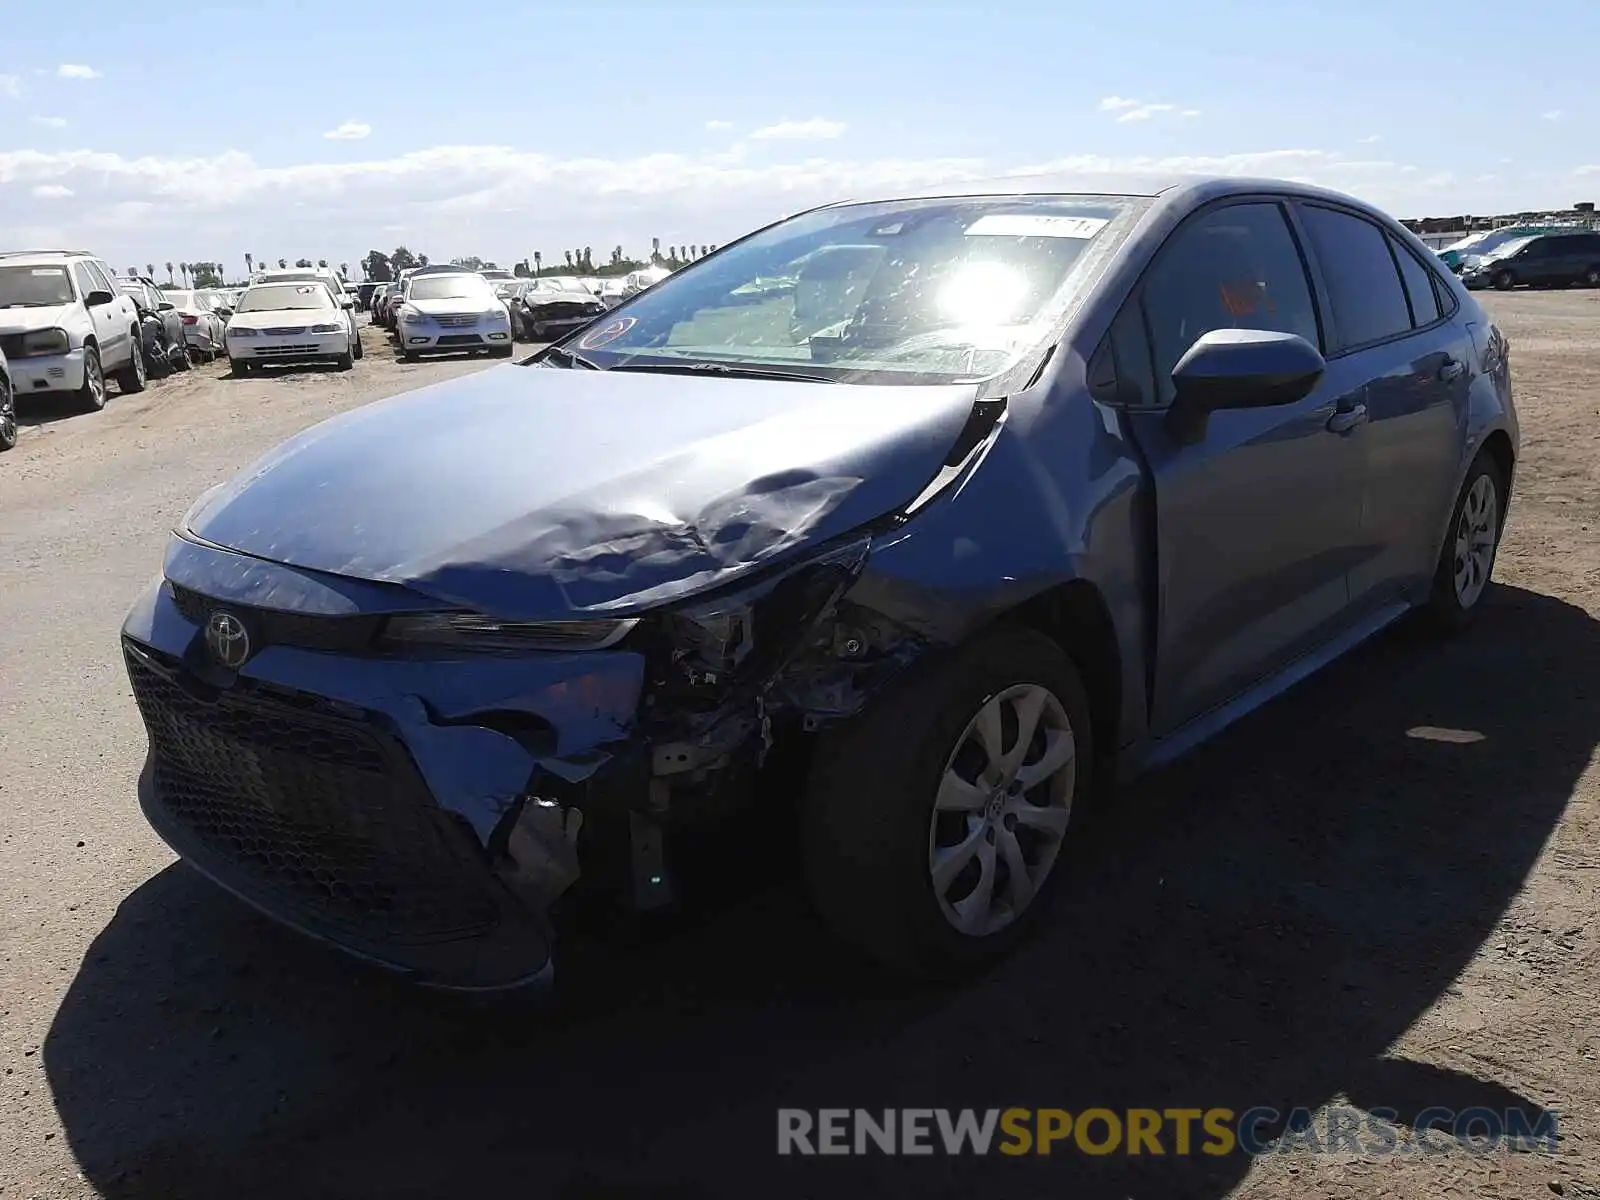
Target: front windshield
{"x":894,"y":292}
{"x":451,"y":287}
{"x":274,"y":297}
{"x":1507,"y":249}
{"x":34,"y":287}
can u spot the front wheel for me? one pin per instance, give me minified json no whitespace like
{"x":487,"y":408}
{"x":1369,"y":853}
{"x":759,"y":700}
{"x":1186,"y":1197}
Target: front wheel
{"x":92,"y":395}
{"x":1504,"y":281}
{"x":1591,"y":277}
{"x":344,"y":362}
{"x":356,"y":349}
{"x":8,"y":415}
{"x":1466,"y":561}
{"x":933,"y":821}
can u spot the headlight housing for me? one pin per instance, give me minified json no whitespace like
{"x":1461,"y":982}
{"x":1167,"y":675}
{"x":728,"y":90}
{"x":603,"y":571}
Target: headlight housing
{"x":327,"y":329}
{"x":475,"y":632}
{"x":45,"y":341}
{"x":235,"y":331}
{"x":412,"y":316}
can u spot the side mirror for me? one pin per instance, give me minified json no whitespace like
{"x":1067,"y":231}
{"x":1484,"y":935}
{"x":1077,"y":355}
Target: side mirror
{"x":166,"y":306}
{"x":347,"y":303}
{"x":1239,"y":368}
{"x":96,"y":298}
{"x":224,"y":313}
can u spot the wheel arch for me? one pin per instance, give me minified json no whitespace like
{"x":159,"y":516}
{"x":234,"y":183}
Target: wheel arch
{"x":1497,"y":445}
{"x":1076,"y":617}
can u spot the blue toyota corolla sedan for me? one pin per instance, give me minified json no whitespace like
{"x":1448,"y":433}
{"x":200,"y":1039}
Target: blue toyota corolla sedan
{"x":964,"y":505}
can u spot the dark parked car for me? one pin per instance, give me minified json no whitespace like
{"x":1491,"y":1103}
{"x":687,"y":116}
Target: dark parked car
{"x":1547,"y":260}
{"x":166,"y":346}
{"x":1023,"y":492}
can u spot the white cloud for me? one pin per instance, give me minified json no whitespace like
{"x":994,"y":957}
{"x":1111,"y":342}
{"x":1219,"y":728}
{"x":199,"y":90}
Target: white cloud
{"x":1555,"y":114}
{"x":815,"y":129}
{"x":1587,"y":169}
{"x":50,"y":122}
{"x":10,"y":86}
{"x":1372,"y":139}
{"x":76,"y":71}
{"x":350,"y":131}
{"x":1140,"y":110}
{"x":477,"y":199}
{"x":719,"y":126}
{"x":52,"y":191}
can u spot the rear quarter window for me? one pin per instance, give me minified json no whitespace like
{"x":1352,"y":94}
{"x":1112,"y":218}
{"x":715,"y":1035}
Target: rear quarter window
{"x":1364,"y":287}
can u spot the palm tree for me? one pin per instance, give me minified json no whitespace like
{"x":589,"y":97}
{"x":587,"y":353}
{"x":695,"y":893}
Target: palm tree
{"x":149,"y":270}
{"x":655,"y":248}
{"x":422,"y":260}
{"x":249,"y":263}
{"x":183,"y":269}
{"x":568,"y":253}
{"x":344,"y":270}
{"x":538,"y":262}
{"x":283,"y":264}
{"x":169,"y":274}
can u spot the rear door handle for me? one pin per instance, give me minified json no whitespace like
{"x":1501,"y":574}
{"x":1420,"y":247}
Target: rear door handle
{"x":1345,"y":420}
{"x":1452,"y":370}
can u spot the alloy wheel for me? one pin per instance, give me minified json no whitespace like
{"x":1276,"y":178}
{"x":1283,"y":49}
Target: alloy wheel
{"x":1002,"y":809}
{"x":1476,"y":533}
{"x":94,"y":376}
{"x":8,"y":416}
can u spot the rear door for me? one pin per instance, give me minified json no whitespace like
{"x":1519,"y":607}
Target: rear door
{"x":1256,"y":523}
{"x":1392,"y":326}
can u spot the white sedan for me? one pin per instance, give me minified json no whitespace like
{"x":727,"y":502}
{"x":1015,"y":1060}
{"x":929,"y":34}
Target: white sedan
{"x":202,"y":324}
{"x":290,"y":322}
{"x":452,"y":312}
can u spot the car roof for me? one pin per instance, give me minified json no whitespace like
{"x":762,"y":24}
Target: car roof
{"x":1190,"y":188}
{"x":39,"y":258}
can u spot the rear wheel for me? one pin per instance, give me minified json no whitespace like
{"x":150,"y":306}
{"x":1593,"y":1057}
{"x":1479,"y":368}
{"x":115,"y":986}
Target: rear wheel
{"x":933,"y":821}
{"x":1591,"y":277}
{"x":1466,"y":561}
{"x":92,"y":395}
{"x":131,"y":378}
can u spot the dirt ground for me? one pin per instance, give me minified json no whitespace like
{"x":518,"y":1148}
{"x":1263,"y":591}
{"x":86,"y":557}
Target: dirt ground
{"x":1327,"y":905}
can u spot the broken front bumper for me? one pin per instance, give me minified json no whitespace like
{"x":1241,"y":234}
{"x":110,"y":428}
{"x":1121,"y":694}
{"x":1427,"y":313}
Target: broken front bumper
{"x":394,"y":808}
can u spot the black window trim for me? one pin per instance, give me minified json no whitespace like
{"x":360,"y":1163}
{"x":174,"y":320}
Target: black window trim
{"x":1397,"y":248}
{"x":1319,"y":306}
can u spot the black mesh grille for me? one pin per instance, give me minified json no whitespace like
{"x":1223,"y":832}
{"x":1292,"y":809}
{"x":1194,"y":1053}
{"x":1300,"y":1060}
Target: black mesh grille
{"x":268,"y":627}
{"x":459,"y":339}
{"x":317,"y":817}
{"x":11,"y":345}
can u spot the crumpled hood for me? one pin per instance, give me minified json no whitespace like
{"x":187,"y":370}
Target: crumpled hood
{"x":537,"y":493}
{"x":26,"y":320}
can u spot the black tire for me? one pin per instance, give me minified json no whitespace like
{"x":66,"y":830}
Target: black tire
{"x":503,"y":351}
{"x":8,"y":415}
{"x":1447,"y":610}
{"x":406,"y":356}
{"x":1504,"y":280}
{"x":357,"y":350}
{"x":240,"y":369}
{"x":181,"y":362}
{"x":91,"y":396}
{"x":1591,"y":277}
{"x":131,"y":378}
{"x":344,"y":362}
{"x":867,"y":818}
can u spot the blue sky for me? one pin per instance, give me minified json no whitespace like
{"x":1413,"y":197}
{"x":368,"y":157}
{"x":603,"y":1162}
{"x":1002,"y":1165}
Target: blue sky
{"x":326,"y":129}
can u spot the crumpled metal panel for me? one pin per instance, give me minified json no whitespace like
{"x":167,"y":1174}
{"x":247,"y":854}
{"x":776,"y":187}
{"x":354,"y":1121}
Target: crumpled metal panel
{"x":543,"y":494}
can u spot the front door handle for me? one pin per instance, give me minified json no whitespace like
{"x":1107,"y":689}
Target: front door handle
{"x":1347,"y":419}
{"x":1452,"y":370}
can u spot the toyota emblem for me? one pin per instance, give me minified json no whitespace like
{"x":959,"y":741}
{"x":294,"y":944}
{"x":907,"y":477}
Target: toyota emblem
{"x":228,"y":640}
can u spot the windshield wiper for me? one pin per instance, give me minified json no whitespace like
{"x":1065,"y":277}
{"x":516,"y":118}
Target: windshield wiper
{"x":735,"y":370}
{"x":572,"y":358}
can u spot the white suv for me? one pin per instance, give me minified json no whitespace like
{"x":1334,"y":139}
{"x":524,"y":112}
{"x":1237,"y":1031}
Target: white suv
{"x":64,"y":326}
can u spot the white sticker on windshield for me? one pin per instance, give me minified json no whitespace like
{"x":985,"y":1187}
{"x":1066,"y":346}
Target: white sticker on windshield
{"x":47,"y":271}
{"x":1037,"y":225}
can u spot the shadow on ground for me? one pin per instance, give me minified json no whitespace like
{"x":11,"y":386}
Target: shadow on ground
{"x":1255,"y":925}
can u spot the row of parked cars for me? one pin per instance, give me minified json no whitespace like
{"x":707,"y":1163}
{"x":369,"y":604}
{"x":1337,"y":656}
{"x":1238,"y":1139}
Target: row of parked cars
{"x":1538,"y":256}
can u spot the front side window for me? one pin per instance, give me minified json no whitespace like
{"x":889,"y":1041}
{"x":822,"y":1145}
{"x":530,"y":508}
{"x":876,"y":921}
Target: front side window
{"x":82,"y":276}
{"x":1234,"y":267}
{"x":909,"y":291}
{"x":1369,"y":301}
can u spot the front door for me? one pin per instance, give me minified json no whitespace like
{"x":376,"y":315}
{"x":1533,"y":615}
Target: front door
{"x":1257,"y":522}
